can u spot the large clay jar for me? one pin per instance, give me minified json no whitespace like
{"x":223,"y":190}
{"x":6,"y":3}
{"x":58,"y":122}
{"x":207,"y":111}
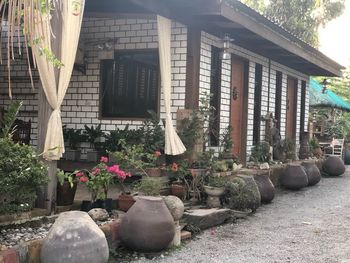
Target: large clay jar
{"x":74,"y":237}
{"x":312,"y":172}
{"x":148,"y":225}
{"x":294,"y":177}
{"x":347,"y":155}
{"x":266,"y":187}
{"x":333,"y":166}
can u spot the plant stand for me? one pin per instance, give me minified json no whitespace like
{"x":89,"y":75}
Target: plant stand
{"x":214,"y":193}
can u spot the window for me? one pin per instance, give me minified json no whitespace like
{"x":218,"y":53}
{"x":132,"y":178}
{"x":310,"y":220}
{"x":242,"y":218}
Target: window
{"x":215,"y":91}
{"x":278,"y":99}
{"x":129,"y":85}
{"x":257,"y":104}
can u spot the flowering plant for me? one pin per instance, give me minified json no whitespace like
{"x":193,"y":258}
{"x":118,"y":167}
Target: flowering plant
{"x":101,"y":177}
{"x":152,"y":159}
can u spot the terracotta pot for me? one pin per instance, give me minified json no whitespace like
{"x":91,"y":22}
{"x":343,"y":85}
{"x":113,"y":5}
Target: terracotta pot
{"x":294,"y":177}
{"x":179,"y":190}
{"x":65,"y":194}
{"x":333,"y":166}
{"x":312,"y":172}
{"x":266,"y":187}
{"x":125,"y":202}
{"x":148,"y":225}
{"x":154,"y":172}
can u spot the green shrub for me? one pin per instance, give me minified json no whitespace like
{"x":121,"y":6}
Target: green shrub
{"x":261,"y":153}
{"x":21,"y":173}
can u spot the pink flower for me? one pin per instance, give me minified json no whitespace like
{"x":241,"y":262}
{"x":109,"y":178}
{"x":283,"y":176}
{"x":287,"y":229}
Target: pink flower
{"x":96,"y":171}
{"x":113,"y":169}
{"x":157,"y":153}
{"x":104,"y":159}
{"x":84,"y":179}
{"x":79,"y":174}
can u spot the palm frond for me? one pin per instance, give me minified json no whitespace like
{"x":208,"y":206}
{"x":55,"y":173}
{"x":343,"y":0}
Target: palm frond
{"x":9,"y":118}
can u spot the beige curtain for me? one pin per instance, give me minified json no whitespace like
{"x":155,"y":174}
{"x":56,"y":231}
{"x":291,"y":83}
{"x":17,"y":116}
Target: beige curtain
{"x":173,"y":144}
{"x":55,"y":85}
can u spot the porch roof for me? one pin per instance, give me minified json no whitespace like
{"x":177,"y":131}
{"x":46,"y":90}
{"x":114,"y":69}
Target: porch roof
{"x":249,"y":29}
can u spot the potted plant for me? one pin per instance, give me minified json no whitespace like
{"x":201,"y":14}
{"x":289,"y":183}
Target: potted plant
{"x":178,"y":174}
{"x":94,"y":137}
{"x":98,"y":181}
{"x":73,"y":138}
{"x":149,"y":186}
{"x":214,"y":188}
{"x":66,"y":188}
{"x":315,"y":147}
{"x":152,"y":166}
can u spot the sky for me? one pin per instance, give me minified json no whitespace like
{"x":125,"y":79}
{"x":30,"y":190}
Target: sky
{"x":335,"y":38}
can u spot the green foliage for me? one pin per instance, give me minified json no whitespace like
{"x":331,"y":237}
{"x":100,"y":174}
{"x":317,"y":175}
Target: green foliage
{"x":73,"y":137}
{"x":149,"y":186}
{"x":153,"y":134}
{"x":260,"y":153}
{"x":313,"y":143}
{"x":6,"y":123}
{"x":289,"y":148}
{"x":226,"y":141}
{"x":191,"y":131}
{"x":300,"y":17}
{"x":69,"y":177}
{"x":94,"y":136}
{"x":217,"y":181}
{"x":21,"y":173}
{"x":112,"y":142}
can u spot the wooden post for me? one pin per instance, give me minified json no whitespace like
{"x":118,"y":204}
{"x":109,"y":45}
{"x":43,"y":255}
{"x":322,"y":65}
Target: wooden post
{"x":48,"y":198}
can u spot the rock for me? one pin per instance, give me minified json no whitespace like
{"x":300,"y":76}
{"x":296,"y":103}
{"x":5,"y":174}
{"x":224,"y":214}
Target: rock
{"x":98,"y":214}
{"x":206,"y":218}
{"x":175,"y":205}
{"x":264,"y":166}
{"x":74,"y":237}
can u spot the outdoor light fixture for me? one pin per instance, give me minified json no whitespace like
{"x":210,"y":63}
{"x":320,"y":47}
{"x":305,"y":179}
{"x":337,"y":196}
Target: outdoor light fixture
{"x":324,"y":83}
{"x":226,"y":55}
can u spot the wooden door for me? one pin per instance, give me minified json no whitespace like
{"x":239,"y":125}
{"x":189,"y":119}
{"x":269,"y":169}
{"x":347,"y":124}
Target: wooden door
{"x":239,"y":95}
{"x":291,"y":107}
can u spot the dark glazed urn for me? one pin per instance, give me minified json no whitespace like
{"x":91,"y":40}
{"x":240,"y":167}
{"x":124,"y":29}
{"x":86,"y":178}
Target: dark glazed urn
{"x":147,"y":226}
{"x":347,"y":156}
{"x":294,"y":177}
{"x":312,"y":172}
{"x":266,"y":187}
{"x":333,"y":166}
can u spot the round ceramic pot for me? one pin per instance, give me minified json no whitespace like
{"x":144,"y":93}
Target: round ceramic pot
{"x":214,"y":194}
{"x":294,"y":177}
{"x":65,"y":194}
{"x":125,"y":202}
{"x":148,"y":225}
{"x":312,"y":172}
{"x":266,"y":187}
{"x":333,"y":166}
{"x":347,"y":156}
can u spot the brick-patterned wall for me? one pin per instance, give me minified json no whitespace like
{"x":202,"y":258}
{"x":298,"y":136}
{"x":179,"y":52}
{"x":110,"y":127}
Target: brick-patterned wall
{"x":81,"y":103}
{"x":207,"y":41}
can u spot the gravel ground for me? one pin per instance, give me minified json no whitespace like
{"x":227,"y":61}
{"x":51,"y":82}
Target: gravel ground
{"x":311,"y":225}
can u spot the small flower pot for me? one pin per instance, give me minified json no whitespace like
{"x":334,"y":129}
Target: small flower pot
{"x":125,"y":202}
{"x":154,"y":172}
{"x":107,"y":204}
{"x":178,"y":190}
{"x":65,"y":194}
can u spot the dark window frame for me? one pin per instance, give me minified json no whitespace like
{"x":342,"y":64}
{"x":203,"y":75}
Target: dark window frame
{"x":215,"y":99}
{"x":257,"y":103}
{"x":101,"y":89}
{"x":278,"y":100}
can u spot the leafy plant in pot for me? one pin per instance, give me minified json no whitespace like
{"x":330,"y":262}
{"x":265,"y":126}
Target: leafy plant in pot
{"x":98,"y":181}
{"x":149,"y":186}
{"x":73,"y":138}
{"x":94,"y":137}
{"x":152,"y":164}
{"x":66,"y":187}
